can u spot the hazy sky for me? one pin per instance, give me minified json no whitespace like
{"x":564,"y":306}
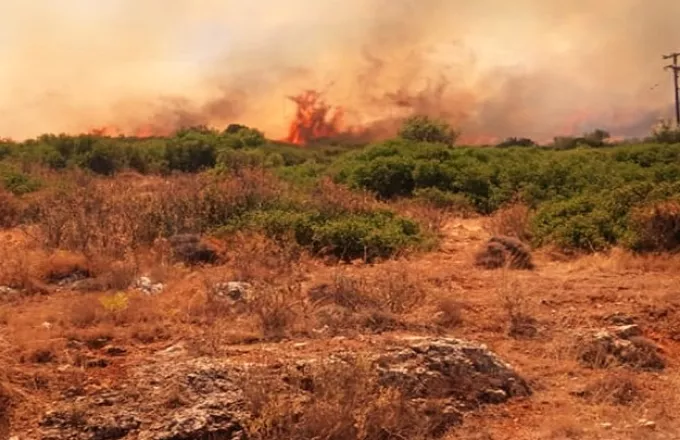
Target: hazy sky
{"x":526,"y":67}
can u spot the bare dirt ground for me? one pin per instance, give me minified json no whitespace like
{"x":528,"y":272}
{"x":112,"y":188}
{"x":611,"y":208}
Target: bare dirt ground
{"x":562,"y":300}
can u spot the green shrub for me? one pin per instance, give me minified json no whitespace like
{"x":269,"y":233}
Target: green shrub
{"x":388,"y":177}
{"x":516,"y":142}
{"x":425,"y":129}
{"x":18,"y":183}
{"x":366,"y":236}
{"x":345,"y":235}
{"x":104,"y":158}
{"x":580,"y":223}
{"x":240,"y":136}
{"x":191,"y":153}
{"x":444,"y":199}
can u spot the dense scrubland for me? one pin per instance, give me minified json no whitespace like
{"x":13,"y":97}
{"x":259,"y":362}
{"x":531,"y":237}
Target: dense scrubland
{"x":582,"y":193}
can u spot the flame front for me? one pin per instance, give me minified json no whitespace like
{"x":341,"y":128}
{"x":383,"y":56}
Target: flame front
{"x":314,"y":119}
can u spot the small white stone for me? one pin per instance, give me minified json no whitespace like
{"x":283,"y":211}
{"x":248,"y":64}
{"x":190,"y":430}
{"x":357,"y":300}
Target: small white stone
{"x":648,"y":424}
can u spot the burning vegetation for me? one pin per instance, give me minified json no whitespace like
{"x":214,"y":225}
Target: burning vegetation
{"x":314,"y":119}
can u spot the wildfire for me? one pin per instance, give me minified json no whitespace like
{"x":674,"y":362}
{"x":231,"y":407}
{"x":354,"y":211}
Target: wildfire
{"x":314,"y":119}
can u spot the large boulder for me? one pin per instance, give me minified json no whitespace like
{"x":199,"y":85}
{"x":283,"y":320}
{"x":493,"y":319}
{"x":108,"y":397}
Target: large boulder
{"x":448,"y":368}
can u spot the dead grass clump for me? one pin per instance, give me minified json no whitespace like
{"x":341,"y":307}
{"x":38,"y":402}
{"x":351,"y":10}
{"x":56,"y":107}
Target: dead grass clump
{"x":64,"y":266}
{"x":504,"y":252}
{"x":396,"y":290}
{"x":430,"y":216}
{"x":6,"y":407}
{"x":514,"y":302}
{"x":149,"y":333}
{"x":619,"y":389}
{"x":338,"y":400}
{"x":189,"y":249}
{"x":280,"y":310}
{"x":85,"y":312}
{"x":338,"y":199}
{"x":42,"y":356}
{"x":374,"y":302}
{"x":658,"y":226}
{"x":604,"y":350}
{"x":449,"y":313}
{"x":256,"y":258}
{"x":113,"y":217}
{"x":345,"y":291}
{"x":19,"y":267}
{"x":117,"y":275}
{"x":512,"y":221}
{"x":10,"y":209}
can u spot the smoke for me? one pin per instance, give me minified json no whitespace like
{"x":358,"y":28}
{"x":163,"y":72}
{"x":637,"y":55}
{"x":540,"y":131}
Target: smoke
{"x":493,"y":68}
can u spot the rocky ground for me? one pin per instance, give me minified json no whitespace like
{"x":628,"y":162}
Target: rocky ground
{"x":433,"y":346}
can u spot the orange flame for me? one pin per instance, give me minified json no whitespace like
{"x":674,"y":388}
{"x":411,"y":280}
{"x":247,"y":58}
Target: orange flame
{"x":314,"y":119}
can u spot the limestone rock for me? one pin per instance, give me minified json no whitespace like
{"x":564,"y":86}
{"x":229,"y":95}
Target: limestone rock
{"x":621,"y":345}
{"x":450,"y":368}
{"x":203,"y":398}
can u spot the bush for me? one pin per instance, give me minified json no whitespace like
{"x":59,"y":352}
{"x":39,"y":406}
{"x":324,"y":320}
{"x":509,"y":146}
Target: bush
{"x":444,"y":199}
{"x":502,"y":252}
{"x":516,"y":142}
{"x":18,"y":183}
{"x":580,"y":223}
{"x":665,"y":133}
{"x":424,"y":129}
{"x":191,"y":153}
{"x":104,"y":158}
{"x":656,"y":227}
{"x":10,"y":211}
{"x":388,"y":177}
{"x":345,"y":235}
{"x":240,"y":136}
{"x":365,"y":236}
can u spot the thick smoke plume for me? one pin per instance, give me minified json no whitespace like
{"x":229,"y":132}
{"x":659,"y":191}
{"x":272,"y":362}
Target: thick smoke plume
{"x":493,"y":68}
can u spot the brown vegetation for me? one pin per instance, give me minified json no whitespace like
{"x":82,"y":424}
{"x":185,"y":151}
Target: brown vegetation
{"x":658,"y":226}
{"x":92,"y":324}
{"x":501,"y":252}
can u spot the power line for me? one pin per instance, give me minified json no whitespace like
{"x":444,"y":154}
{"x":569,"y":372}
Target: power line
{"x":675,"y":68}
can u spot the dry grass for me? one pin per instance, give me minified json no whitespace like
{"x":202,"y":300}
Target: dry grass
{"x":300,"y":299}
{"x":338,"y":401}
{"x":449,"y":313}
{"x":114,"y":217}
{"x":658,"y":226}
{"x":6,"y":406}
{"x":514,"y":299}
{"x":10,"y":209}
{"x":620,"y":388}
{"x":512,"y":221}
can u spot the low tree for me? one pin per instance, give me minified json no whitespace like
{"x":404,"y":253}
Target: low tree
{"x":516,"y":142}
{"x":665,"y":133}
{"x":425,"y":129}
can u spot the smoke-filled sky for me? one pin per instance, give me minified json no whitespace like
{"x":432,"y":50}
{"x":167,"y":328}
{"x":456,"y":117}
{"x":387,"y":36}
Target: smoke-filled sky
{"x":494,"y":68}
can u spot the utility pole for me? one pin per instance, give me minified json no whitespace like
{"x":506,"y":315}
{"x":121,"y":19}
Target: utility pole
{"x":675,"y":68}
